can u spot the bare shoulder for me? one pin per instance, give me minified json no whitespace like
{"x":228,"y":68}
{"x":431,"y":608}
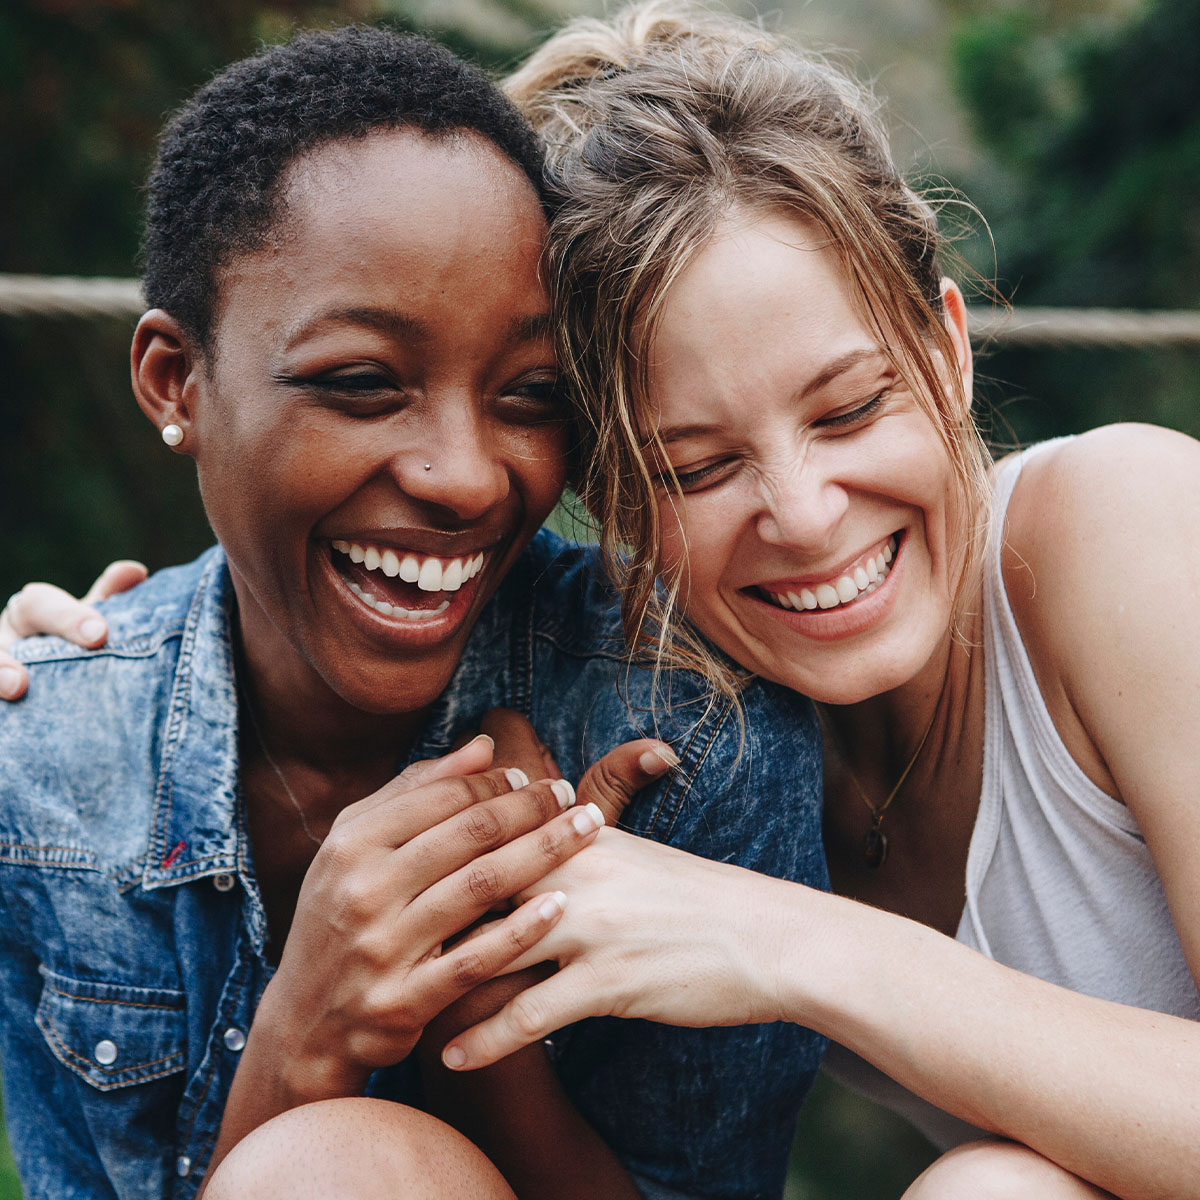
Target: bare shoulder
{"x":1101,"y":563}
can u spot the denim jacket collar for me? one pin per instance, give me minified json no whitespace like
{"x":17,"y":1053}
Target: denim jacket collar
{"x":197,"y":826}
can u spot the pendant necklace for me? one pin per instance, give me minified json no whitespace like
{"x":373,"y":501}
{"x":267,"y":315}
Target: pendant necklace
{"x":875,"y":842}
{"x":262,"y":745}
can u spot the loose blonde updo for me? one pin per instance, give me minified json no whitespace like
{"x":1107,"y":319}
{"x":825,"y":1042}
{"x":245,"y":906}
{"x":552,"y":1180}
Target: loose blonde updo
{"x":656,"y":125}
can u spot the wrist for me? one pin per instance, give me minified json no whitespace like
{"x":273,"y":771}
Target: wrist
{"x":302,"y":1068}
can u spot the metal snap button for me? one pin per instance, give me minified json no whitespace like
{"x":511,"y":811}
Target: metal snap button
{"x":223,"y":882}
{"x":105,"y":1053}
{"x":183,"y":1166}
{"x":234,"y":1039}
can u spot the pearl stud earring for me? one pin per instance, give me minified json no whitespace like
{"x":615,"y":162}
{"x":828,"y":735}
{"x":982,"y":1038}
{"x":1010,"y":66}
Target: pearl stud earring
{"x":172,"y":434}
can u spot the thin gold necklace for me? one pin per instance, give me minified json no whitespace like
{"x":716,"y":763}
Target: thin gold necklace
{"x":875,"y":842}
{"x":262,"y":745}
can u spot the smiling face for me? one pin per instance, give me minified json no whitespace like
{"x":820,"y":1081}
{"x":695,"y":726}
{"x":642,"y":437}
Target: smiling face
{"x":821,"y":514}
{"x":377,"y":434}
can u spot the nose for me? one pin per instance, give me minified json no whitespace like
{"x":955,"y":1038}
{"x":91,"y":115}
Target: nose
{"x":457,"y":466}
{"x":801,"y":502}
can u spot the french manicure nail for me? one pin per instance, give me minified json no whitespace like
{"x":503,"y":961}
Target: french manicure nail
{"x":552,"y":905}
{"x":587,"y":819}
{"x":91,"y":628}
{"x":516,"y":777}
{"x":658,"y":760}
{"x":10,"y":680}
{"x":482,"y":737}
{"x":563,"y":792}
{"x":454,"y":1057}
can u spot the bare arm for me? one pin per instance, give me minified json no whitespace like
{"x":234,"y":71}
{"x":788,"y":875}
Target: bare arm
{"x":1109,"y":1092}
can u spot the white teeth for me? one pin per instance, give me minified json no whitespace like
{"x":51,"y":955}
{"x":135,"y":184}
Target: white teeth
{"x":430,"y":578}
{"x":452,"y":576}
{"x":394,"y":610}
{"x":862,"y":581}
{"x":826,"y":596}
{"x":432,"y":575}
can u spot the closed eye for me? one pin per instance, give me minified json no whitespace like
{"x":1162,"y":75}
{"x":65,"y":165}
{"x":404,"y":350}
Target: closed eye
{"x":696,"y":479}
{"x":854,"y":416}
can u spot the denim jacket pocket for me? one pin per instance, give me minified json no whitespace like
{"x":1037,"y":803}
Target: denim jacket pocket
{"x":113,"y":1035}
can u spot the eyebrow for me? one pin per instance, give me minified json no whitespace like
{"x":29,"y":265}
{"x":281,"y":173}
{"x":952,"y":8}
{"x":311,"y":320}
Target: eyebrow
{"x":825,"y":376}
{"x":386,"y":320}
{"x":394,"y":323}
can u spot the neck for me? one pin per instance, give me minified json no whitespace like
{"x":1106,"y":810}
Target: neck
{"x":880,"y":736}
{"x":304,"y":723}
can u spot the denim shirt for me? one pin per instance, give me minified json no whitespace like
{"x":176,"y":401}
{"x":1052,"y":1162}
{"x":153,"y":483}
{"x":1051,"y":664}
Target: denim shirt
{"x":133,"y":936}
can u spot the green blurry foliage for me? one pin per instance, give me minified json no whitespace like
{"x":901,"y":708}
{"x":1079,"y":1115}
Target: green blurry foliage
{"x":1091,"y":186}
{"x":85,"y":86}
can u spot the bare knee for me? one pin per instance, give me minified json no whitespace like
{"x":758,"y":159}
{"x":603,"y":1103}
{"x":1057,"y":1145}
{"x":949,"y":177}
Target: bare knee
{"x":994,"y":1170}
{"x":356,"y":1149}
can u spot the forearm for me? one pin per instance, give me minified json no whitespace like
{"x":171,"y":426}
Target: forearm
{"x":1107,"y":1091}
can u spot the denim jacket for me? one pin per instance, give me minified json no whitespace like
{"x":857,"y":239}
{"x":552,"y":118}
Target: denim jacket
{"x":132,"y":932}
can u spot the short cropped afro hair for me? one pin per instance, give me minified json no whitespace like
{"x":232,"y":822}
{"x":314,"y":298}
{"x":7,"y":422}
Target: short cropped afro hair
{"x":216,"y":186}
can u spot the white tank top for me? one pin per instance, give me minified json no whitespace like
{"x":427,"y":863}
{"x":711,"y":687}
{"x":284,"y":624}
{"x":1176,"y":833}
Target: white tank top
{"x":1059,"y":881}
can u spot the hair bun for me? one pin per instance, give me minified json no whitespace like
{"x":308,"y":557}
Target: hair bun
{"x":589,"y":49}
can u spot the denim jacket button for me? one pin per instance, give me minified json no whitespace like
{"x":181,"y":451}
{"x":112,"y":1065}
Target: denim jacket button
{"x":105,"y":1053}
{"x":234,"y":1039}
{"x":223,"y":882}
{"x":183,"y":1166}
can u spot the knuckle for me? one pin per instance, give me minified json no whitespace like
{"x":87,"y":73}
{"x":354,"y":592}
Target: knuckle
{"x":469,"y":970}
{"x":485,"y":883}
{"x":481,"y":827}
{"x":526,"y":1015}
{"x":551,"y":845}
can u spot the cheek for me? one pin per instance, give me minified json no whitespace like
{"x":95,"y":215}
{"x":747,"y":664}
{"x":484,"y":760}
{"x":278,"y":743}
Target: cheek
{"x":541,"y":468}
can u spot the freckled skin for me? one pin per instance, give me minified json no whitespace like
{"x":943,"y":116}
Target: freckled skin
{"x":781,"y":489}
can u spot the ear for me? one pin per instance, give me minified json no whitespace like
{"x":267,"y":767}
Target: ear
{"x":955,"y":319}
{"x":166,"y":369}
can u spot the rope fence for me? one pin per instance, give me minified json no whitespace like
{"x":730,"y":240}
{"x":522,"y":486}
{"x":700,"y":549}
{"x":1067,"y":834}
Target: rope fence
{"x":70,"y":296}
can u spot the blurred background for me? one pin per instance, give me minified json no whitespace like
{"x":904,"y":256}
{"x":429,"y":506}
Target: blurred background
{"x":1072,"y":125}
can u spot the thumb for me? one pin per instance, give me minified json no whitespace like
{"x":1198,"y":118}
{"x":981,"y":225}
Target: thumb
{"x":475,"y":756}
{"x":612,"y":781}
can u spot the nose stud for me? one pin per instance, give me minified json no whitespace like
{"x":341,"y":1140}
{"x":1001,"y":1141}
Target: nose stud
{"x":429,"y":466}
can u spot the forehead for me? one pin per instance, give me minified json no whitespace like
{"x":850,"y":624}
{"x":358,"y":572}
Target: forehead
{"x":400,"y":218}
{"x":766,"y":293}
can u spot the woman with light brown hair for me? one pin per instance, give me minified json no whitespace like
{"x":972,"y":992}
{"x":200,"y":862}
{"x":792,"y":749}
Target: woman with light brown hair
{"x":773,"y":387}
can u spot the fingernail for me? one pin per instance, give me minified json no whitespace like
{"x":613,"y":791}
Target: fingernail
{"x":563,"y":792}
{"x":481,"y":737}
{"x":552,"y":906}
{"x":10,"y":680}
{"x":658,"y":760}
{"x":91,"y":628}
{"x":516,"y":777}
{"x":455,"y":1057}
{"x":587,"y":819}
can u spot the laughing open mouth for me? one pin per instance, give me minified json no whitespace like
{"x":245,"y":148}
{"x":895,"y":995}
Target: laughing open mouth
{"x":860,"y":581}
{"x":402,"y":583}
